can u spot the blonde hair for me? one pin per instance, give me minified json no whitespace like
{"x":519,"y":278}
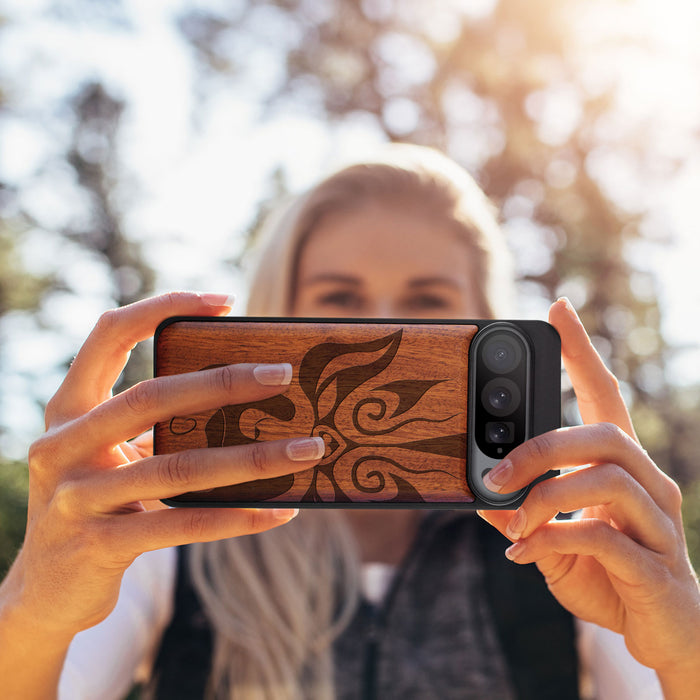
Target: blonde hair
{"x":277,"y":600}
{"x":416,"y":176}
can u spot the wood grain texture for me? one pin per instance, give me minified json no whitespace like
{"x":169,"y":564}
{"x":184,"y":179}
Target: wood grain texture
{"x":389,"y":400}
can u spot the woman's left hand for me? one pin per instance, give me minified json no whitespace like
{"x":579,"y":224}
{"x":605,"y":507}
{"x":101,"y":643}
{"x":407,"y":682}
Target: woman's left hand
{"x":623,"y":564}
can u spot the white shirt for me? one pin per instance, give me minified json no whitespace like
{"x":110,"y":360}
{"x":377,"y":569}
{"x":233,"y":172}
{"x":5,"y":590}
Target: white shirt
{"x":104,"y":661}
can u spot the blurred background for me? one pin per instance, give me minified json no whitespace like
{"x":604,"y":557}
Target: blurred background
{"x":141,"y":141}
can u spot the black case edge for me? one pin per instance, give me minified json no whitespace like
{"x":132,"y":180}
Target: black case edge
{"x":546,"y":354}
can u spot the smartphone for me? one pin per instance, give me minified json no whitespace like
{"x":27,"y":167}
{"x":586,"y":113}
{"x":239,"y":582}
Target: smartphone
{"x":413,"y":413}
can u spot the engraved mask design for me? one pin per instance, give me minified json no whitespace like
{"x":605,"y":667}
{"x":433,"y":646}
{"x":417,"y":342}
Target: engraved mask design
{"x":372,"y":428}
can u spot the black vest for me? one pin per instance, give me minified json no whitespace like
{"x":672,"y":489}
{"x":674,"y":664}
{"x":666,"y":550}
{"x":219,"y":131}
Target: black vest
{"x":534,"y":635}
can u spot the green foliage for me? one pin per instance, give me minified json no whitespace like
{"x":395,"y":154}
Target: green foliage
{"x":18,"y":289}
{"x":14,"y":484}
{"x":691,"y":521}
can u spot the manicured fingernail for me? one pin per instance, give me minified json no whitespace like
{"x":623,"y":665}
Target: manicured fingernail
{"x":516,"y":525}
{"x":499,"y":476}
{"x":569,"y":306}
{"x":274,"y":375}
{"x":304,"y":449}
{"x":218,"y":299}
{"x":285,"y":514}
{"x":515,"y":550}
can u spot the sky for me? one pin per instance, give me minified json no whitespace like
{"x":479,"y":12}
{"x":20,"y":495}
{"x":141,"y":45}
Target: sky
{"x":190,"y":185}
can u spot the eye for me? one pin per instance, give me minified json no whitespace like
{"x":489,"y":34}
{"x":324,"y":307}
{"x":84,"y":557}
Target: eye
{"x":341,"y":299}
{"x":427,"y":302}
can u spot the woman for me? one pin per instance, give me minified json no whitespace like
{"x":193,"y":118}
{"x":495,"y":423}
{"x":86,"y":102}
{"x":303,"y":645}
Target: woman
{"x":412,"y":236}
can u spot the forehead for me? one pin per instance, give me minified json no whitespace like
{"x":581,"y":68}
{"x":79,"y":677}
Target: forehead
{"x":381,"y":238}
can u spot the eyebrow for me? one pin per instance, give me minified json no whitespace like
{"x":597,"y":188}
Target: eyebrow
{"x":350,"y":280}
{"x":432,"y":281}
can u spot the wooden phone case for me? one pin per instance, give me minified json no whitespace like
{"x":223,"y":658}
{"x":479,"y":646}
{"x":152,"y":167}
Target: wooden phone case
{"x":388,"y":398}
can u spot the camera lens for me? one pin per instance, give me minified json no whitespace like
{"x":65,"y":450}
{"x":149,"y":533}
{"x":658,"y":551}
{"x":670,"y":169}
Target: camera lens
{"x":502,"y":353}
{"x":499,"y":432}
{"x":500,"y":396}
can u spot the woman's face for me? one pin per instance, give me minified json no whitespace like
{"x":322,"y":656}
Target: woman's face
{"x":385,"y":261}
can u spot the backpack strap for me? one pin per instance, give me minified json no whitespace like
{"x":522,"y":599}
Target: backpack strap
{"x":536,"y":633}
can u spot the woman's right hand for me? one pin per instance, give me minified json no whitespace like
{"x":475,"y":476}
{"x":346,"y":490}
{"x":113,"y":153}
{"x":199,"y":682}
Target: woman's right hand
{"x":87,"y":520}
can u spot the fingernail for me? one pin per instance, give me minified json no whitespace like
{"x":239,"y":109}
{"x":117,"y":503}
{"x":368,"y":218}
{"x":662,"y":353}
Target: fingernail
{"x":273,"y":375}
{"x":285,"y":513}
{"x":218,"y":299}
{"x":499,"y":476}
{"x":517,"y":525}
{"x":569,"y":306}
{"x":304,"y":449}
{"x":515,"y":550}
